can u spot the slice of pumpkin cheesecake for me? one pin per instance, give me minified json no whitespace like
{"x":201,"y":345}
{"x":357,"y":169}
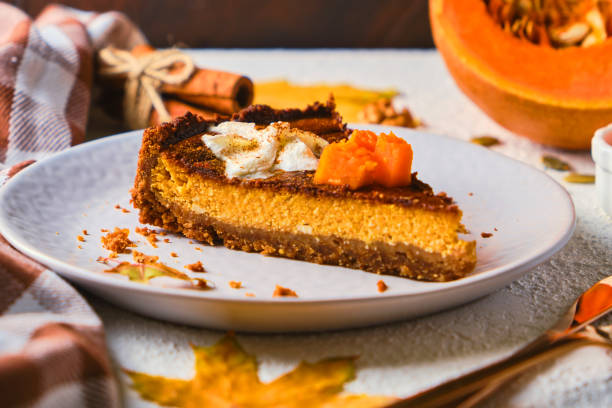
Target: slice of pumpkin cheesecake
{"x":265,"y":186}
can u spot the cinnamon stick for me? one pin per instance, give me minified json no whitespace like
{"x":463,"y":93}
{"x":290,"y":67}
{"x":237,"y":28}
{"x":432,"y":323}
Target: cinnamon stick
{"x":207,"y":92}
{"x":216,"y":91}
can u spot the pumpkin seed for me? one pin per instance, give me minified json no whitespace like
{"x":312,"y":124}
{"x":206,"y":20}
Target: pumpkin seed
{"x":558,"y":23}
{"x":555,"y":163}
{"x":571,"y":34}
{"x":486,"y":141}
{"x":580,"y":178}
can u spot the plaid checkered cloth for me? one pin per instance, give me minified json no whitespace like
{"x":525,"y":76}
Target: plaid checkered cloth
{"x":52,"y":346}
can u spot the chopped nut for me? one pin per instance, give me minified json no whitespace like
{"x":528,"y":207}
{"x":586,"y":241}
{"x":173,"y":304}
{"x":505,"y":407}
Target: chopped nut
{"x":383,"y":112}
{"x":486,"y":234}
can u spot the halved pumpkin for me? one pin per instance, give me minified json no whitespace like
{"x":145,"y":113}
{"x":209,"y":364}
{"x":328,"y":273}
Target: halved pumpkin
{"x":557,"y":97}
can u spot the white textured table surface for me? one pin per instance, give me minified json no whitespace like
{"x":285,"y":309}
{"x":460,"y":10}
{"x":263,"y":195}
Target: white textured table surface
{"x":400,"y":359}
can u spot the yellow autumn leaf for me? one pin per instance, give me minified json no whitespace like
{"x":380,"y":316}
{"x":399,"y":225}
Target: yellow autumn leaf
{"x":226,"y":376}
{"x":349,"y":100}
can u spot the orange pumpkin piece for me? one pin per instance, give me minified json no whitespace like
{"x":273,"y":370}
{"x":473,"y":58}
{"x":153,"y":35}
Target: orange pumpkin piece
{"x":365,"y":138}
{"x":345,"y":163}
{"x":366,"y":159}
{"x":394,"y":158}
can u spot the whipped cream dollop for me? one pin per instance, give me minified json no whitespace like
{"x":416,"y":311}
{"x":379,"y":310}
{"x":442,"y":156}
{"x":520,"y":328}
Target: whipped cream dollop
{"x":249,"y":152}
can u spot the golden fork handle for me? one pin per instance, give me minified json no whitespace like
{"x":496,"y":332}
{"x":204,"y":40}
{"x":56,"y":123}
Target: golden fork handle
{"x":467,"y":391}
{"x":589,"y":335}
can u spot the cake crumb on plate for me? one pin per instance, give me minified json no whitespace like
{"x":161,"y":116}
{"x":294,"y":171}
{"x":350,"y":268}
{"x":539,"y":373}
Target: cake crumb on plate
{"x":139,"y":257}
{"x":118,"y":241}
{"x":235,"y":284}
{"x":382,"y":286}
{"x":279,"y":291}
{"x":196,"y":267}
{"x":149,"y":234}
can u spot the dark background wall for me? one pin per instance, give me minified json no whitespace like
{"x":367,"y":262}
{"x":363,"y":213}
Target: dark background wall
{"x":269,"y":23}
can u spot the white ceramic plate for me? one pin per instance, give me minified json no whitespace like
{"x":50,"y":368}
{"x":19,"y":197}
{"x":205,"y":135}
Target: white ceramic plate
{"x":45,"y":207}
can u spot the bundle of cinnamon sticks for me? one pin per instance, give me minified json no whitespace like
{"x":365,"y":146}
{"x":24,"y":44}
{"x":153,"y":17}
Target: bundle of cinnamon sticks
{"x":209,"y":93}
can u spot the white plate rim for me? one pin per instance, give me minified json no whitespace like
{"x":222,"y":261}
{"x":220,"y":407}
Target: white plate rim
{"x":515,"y":268}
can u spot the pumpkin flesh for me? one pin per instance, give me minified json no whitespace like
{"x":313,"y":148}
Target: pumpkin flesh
{"x":554,"y":96}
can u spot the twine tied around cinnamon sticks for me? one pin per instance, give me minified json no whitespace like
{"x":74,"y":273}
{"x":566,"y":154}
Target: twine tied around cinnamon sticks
{"x":145,"y":75}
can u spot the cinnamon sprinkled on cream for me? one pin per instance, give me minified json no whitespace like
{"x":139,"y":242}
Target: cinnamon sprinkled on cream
{"x":249,"y":152}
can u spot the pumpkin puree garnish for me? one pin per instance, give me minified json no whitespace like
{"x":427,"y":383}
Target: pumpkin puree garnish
{"x":364,"y":159}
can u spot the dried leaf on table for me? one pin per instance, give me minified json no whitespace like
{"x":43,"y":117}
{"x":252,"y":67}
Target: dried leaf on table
{"x":349,"y":99}
{"x":145,"y":272}
{"x":226,"y":376}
